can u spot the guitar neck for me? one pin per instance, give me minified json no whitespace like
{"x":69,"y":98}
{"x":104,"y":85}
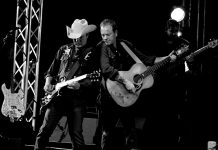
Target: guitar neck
{"x":76,"y":79}
{"x":211,"y":44}
{"x":62,"y":84}
{"x":156,"y":66}
{"x":198,"y":51}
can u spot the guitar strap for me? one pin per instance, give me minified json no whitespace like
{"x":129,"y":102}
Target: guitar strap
{"x":73,"y":70}
{"x":137,"y":60}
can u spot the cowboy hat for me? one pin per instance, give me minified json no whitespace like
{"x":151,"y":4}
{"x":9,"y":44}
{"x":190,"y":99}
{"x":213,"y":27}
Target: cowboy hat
{"x":79,"y":28}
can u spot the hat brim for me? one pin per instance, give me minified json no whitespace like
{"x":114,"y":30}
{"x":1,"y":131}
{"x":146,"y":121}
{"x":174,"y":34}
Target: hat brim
{"x":88,"y":29}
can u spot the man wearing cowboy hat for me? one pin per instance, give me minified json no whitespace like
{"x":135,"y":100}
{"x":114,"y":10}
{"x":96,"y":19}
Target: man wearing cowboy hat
{"x":74,"y":59}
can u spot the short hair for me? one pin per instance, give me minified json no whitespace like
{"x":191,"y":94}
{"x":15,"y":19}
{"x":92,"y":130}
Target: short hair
{"x":171,"y":23}
{"x":109,"y":22}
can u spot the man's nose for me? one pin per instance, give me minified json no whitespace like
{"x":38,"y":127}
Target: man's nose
{"x":105,"y":38}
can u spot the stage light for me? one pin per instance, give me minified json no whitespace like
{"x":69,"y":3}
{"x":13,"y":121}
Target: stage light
{"x":179,"y":33}
{"x":177,"y":14}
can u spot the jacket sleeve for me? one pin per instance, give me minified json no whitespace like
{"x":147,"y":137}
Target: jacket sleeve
{"x":55,"y":66}
{"x":107,"y":70}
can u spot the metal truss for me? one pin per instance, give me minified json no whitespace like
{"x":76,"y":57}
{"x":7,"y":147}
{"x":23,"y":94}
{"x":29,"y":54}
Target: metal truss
{"x":27,"y":54}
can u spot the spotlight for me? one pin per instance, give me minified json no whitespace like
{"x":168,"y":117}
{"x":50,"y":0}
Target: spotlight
{"x":177,"y":14}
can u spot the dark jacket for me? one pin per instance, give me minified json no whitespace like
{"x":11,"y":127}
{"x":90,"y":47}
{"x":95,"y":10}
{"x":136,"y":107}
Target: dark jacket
{"x":113,"y":60}
{"x":65,"y":60}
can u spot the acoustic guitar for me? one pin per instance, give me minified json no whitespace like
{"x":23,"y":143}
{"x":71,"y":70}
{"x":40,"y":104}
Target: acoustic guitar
{"x":142,"y":78}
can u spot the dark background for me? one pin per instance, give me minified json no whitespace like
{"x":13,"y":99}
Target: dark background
{"x":142,"y":23}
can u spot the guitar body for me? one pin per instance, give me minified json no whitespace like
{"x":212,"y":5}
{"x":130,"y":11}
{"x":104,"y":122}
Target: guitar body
{"x":118,"y":91}
{"x":12,"y":106}
{"x":140,"y":76}
{"x":48,"y":98}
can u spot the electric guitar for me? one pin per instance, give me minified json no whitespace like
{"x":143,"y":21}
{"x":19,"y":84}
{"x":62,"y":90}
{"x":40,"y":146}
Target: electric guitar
{"x":211,"y":44}
{"x":140,"y":76}
{"x":13,"y":105}
{"x":47,"y":99}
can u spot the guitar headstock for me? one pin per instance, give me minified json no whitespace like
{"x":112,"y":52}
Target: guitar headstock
{"x":213,"y":43}
{"x":95,"y":76}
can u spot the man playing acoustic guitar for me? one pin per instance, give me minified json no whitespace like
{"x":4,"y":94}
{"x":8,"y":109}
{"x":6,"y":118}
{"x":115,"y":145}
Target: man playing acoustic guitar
{"x":114,"y":61}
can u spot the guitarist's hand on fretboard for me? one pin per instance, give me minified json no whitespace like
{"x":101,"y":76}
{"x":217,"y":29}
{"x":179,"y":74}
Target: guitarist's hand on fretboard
{"x":172,"y":56}
{"x":48,"y":88}
{"x":189,"y":58}
{"x":74,"y":85}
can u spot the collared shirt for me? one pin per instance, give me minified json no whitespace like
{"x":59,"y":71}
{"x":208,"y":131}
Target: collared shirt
{"x":66,"y":57}
{"x":117,"y":59}
{"x":64,"y":60}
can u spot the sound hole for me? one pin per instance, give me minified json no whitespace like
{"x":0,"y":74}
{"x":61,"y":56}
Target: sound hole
{"x":137,"y":79}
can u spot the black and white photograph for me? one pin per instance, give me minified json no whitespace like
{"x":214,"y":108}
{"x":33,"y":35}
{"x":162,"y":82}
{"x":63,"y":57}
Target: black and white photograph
{"x":108,"y":75}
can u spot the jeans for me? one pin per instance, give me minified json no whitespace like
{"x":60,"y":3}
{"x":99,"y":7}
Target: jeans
{"x":52,"y":116}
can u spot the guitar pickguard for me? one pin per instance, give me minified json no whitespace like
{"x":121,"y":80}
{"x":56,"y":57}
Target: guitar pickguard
{"x":12,"y":106}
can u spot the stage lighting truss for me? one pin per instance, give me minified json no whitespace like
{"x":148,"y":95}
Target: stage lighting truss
{"x":27,"y":53}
